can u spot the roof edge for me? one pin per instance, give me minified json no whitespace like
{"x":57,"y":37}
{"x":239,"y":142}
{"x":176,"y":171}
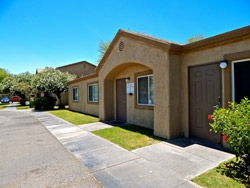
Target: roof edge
{"x":156,"y":42}
{"x":218,"y":40}
{"x":89,"y":76}
{"x":79,"y":62}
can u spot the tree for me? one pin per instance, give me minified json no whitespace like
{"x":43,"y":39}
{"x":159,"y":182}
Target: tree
{"x":3,"y":73}
{"x":103,"y":46}
{"x":52,"y":80}
{"x":195,"y":38}
{"x":24,"y":83}
{"x":20,"y":83}
{"x":8,"y":84}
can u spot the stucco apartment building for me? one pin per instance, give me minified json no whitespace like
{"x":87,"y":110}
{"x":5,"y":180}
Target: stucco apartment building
{"x":164,"y":86}
{"x":80,"y":69}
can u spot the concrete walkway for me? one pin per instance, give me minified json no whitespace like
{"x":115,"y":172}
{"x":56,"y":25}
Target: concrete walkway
{"x":166,"y":164}
{"x":10,"y":107}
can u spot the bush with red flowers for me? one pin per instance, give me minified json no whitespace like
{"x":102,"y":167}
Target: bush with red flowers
{"x":234,"y":124}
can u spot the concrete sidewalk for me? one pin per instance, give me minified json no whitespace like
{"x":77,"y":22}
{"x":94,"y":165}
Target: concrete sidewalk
{"x":166,"y":164}
{"x":10,"y":107}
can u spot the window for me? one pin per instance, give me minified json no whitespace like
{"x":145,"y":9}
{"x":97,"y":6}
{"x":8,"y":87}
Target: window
{"x":93,"y":93}
{"x":75,"y":94}
{"x":145,"y":90}
{"x":240,"y":72}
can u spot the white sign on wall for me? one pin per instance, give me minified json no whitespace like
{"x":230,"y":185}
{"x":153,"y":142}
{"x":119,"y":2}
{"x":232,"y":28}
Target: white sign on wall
{"x":130,"y":88}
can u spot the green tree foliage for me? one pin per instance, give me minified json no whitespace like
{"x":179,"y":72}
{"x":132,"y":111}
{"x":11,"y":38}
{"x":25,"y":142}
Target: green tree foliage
{"x":103,"y":46}
{"x":8,"y":84}
{"x":3,"y":74}
{"x":52,"y":80}
{"x":195,"y":38}
{"x":234,"y":124}
{"x":20,"y":83}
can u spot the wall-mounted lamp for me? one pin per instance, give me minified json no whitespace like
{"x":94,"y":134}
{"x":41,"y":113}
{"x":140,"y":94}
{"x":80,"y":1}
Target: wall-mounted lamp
{"x":127,"y":79}
{"x":223,"y":64}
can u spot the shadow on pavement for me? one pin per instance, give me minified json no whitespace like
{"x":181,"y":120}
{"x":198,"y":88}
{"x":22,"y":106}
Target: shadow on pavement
{"x":186,"y":142}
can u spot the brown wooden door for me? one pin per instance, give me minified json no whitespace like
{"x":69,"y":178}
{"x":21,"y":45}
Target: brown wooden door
{"x":121,"y":100}
{"x":204,"y":90}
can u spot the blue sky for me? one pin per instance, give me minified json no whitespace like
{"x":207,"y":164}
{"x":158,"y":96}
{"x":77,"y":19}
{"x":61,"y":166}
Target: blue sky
{"x":39,"y":33}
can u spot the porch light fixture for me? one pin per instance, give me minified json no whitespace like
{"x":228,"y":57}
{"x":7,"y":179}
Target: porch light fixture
{"x":127,"y":79}
{"x":223,"y":64}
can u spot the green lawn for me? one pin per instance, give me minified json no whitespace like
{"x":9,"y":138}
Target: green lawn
{"x":75,"y":118}
{"x":19,"y":107}
{"x":227,"y":174}
{"x":129,"y":137}
{"x":2,"y":106}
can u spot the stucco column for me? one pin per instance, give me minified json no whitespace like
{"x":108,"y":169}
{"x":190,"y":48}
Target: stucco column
{"x":161,"y":96}
{"x":101,"y":99}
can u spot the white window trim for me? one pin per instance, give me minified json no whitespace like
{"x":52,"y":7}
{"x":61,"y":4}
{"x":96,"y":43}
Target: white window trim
{"x":75,"y":100}
{"x":97,"y":92}
{"x":233,"y":83}
{"x":139,"y":104}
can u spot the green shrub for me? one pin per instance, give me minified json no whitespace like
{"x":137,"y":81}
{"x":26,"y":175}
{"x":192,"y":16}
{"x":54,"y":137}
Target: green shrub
{"x":234,"y":124}
{"x":44,"y":103}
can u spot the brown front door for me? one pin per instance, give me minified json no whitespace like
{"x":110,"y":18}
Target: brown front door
{"x":204,"y":93}
{"x":121,"y":100}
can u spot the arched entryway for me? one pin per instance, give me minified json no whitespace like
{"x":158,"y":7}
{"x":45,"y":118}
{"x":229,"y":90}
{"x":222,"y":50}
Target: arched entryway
{"x":119,"y":104}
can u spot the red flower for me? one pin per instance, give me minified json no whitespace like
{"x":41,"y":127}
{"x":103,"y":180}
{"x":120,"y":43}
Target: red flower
{"x":209,"y":117}
{"x":225,"y":138}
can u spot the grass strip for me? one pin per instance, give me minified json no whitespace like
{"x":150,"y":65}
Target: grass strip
{"x":75,"y":118}
{"x":228,"y":174}
{"x":3,"y":106}
{"x":129,"y":137}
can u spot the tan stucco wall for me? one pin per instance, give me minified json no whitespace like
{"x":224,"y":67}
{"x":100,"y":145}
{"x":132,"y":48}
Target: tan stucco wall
{"x":82,"y":105}
{"x":175,"y":96}
{"x":64,"y":99}
{"x":79,"y":69}
{"x":153,"y":58}
{"x":212,"y":55}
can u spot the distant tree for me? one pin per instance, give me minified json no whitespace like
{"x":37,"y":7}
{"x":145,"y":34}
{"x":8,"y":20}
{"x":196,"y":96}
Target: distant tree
{"x":20,"y":83}
{"x":103,"y":46}
{"x":3,"y":73}
{"x":195,"y":38}
{"x":52,"y":80}
{"x":8,"y":84}
{"x":24,"y":83}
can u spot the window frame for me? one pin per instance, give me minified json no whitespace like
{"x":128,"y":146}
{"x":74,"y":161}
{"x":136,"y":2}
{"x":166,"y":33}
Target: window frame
{"x":136,"y":99}
{"x":93,"y":101}
{"x":233,"y":75}
{"x":73,"y":98}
